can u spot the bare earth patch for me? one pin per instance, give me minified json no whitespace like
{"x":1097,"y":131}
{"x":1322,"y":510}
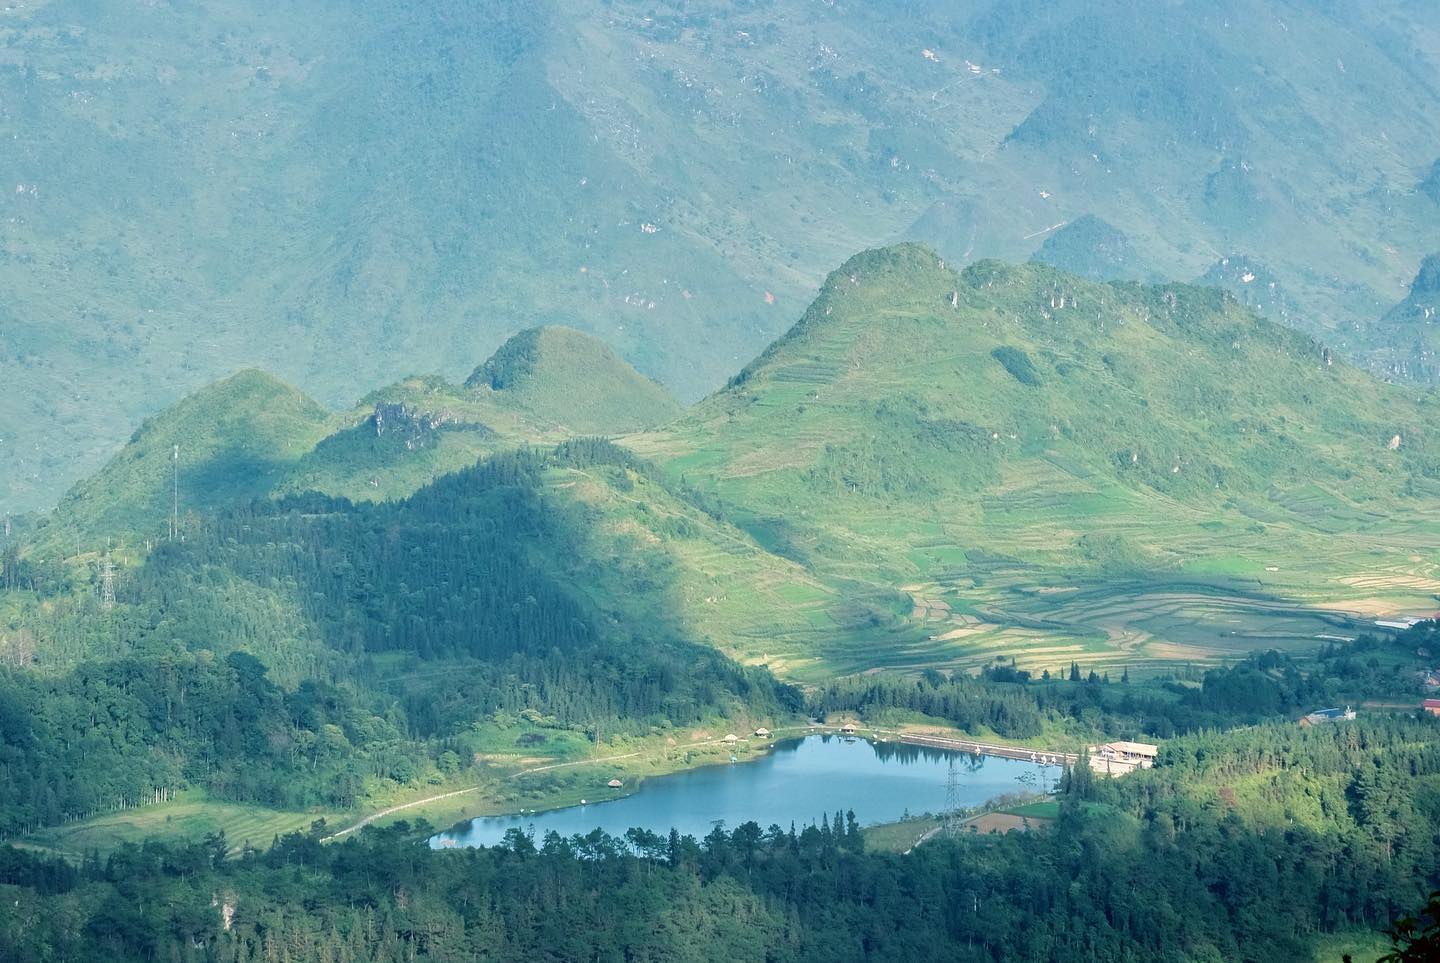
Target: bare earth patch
{"x":1175,"y":652}
{"x":1375,"y":608}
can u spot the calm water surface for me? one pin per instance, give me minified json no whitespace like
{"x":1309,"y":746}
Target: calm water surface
{"x":798,"y":781}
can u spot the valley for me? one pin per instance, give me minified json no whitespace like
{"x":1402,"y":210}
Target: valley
{"x":1000,"y":470}
{"x":761,"y":480}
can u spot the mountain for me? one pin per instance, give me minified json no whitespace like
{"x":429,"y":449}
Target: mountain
{"x":227,"y":443}
{"x":251,"y":436}
{"x":931,"y":466}
{"x":1017,"y":448}
{"x":564,"y":377}
{"x":346,"y":193}
{"x":1090,"y":248}
{"x":1409,"y":333}
{"x":541,"y":386}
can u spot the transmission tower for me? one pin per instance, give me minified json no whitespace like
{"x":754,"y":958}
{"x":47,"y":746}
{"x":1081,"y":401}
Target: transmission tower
{"x":175,"y":509}
{"x":107,"y":585}
{"x":951,"y":817}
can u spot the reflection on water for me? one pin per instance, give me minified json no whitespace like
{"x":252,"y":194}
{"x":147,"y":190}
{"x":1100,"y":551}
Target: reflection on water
{"x":798,"y":781}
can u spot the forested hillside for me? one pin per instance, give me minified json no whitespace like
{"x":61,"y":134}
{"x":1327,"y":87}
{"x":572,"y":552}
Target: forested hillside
{"x":286,"y":652}
{"x":346,"y":193}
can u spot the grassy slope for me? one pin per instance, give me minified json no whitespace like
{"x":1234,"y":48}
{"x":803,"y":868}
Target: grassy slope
{"x":191,"y":816}
{"x":1169,"y":444}
{"x":348,"y":192}
{"x":650,"y":556}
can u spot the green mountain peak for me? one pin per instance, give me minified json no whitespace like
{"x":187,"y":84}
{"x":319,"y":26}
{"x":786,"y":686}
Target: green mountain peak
{"x":232,"y":441}
{"x":917,"y":415}
{"x":570,"y":378}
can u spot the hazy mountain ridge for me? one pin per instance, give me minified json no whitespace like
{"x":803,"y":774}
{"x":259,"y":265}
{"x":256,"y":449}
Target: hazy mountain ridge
{"x":383,"y":189}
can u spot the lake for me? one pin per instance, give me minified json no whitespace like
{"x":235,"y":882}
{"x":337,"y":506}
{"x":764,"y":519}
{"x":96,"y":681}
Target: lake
{"x":798,"y":780}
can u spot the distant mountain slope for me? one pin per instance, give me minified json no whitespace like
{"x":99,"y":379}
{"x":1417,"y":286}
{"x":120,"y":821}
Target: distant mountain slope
{"x":1090,"y":248}
{"x":1430,"y":186}
{"x":1255,"y":285}
{"x":1409,"y":334}
{"x":347,"y":192}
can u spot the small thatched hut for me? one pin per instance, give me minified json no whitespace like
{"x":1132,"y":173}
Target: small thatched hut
{"x":614,"y":784}
{"x":731,"y":739}
{"x":762,"y":732}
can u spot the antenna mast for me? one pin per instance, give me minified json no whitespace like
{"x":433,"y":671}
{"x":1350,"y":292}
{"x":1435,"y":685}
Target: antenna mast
{"x":175,"y":510}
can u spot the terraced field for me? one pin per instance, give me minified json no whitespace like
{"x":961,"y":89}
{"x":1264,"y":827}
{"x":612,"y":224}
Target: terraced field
{"x":1144,"y":478}
{"x":190,"y":816}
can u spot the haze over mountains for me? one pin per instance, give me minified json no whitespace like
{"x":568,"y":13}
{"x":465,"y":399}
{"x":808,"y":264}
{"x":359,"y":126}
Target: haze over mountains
{"x":347,"y":194}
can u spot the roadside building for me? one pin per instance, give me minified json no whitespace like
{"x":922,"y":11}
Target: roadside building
{"x":1119,"y":758}
{"x":1431,"y":706}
